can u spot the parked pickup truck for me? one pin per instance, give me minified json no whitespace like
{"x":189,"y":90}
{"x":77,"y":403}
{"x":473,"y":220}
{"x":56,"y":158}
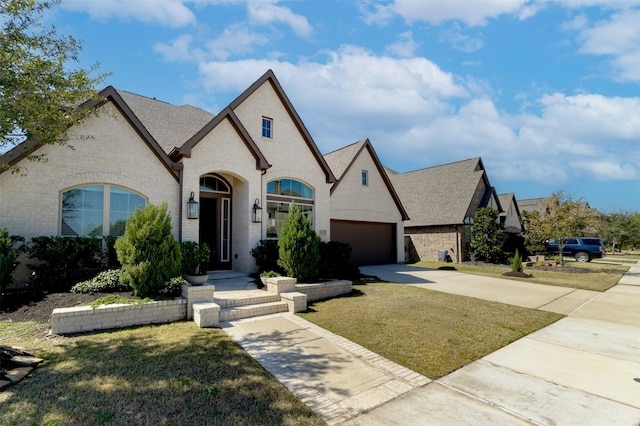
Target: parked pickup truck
{"x":583,"y":249}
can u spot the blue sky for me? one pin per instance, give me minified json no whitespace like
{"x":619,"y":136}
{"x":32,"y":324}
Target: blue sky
{"x":546,"y":92}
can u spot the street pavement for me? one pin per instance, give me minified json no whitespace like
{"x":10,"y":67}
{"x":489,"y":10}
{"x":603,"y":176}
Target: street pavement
{"x":582,"y":370}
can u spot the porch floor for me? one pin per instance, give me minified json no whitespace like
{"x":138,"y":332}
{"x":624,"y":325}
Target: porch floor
{"x":228,"y":280}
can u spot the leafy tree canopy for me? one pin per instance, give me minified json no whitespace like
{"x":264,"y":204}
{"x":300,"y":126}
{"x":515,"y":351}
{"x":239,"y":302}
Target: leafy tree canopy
{"x":40,"y":94}
{"x":564,"y":217}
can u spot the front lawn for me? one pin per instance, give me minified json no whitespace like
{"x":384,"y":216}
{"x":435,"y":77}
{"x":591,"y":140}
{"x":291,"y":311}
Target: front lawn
{"x":156,"y":375}
{"x":586,"y":276}
{"x":430,"y":332}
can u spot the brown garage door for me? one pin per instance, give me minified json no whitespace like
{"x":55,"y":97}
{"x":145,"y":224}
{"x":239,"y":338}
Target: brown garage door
{"x":372,"y":243}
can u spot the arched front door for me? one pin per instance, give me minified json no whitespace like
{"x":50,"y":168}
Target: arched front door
{"x":215,"y":219}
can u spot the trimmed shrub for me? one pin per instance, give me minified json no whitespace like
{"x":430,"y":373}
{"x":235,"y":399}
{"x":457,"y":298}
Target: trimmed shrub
{"x":266,"y":255}
{"x":9,"y":251}
{"x":299,"y":247}
{"x":334,"y":261}
{"x":486,"y":242}
{"x":104,"y":282}
{"x":63,"y":261}
{"x":148,"y":252}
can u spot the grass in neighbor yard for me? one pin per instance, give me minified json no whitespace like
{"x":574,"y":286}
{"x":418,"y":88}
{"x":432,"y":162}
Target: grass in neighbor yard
{"x":430,"y":332}
{"x":592,"y":276}
{"x":156,"y":375}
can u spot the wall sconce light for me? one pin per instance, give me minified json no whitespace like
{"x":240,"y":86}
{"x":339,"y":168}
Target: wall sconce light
{"x":192,"y":208}
{"x":256,"y":215}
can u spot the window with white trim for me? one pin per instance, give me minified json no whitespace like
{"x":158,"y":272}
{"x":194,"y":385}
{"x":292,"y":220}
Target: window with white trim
{"x":281,"y":193}
{"x":365,"y":178}
{"x":97,"y":210}
{"x":267,"y":127}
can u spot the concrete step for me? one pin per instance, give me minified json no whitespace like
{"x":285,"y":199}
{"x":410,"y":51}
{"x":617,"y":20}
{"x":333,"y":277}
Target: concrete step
{"x":253,"y":310}
{"x":229,"y":299}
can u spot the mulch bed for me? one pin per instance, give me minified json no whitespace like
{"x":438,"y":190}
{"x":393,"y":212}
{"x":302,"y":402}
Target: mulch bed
{"x":19,"y":307}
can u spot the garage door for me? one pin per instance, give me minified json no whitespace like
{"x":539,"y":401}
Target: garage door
{"x":372,"y":243}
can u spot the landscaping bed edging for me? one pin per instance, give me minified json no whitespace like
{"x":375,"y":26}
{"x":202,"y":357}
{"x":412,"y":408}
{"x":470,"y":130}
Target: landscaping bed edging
{"x":325,"y":290}
{"x":85,"y":318}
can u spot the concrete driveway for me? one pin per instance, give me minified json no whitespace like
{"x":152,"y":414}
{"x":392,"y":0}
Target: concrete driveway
{"x":581,"y":370}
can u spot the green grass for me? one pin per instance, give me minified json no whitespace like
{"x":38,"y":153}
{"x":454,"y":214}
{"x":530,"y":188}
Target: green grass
{"x":156,"y":375}
{"x":597,"y":276}
{"x":429,"y":332}
{"x":114,"y":299}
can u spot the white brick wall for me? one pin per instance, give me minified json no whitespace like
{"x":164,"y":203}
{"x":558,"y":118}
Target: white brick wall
{"x":372,"y":203}
{"x":114,"y":154}
{"x":287,"y":152}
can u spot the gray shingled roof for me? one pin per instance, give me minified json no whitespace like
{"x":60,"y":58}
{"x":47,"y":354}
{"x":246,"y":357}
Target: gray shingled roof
{"x":533,"y":205}
{"x":340,"y":159}
{"x":170,"y":125}
{"x":439,"y":195}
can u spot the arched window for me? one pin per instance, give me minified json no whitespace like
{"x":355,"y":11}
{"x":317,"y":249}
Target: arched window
{"x":280,"y":194}
{"x":214,"y":184}
{"x":97,"y":210}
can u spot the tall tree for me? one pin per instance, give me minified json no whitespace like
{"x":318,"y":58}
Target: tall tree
{"x":622,"y":230}
{"x":565,"y":218}
{"x":487,"y":239}
{"x":41,"y":95}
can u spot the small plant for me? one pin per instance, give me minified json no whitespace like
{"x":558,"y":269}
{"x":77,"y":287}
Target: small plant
{"x":148,"y":252}
{"x":173,"y":287}
{"x":195,"y":257}
{"x":104,"y":282}
{"x":516,"y":262}
{"x":269,"y":274}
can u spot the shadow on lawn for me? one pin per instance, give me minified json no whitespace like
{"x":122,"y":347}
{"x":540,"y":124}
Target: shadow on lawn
{"x":167,"y":374}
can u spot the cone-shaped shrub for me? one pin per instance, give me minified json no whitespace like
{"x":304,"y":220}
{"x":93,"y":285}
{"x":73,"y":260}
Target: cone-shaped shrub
{"x":299,"y":246}
{"x":148,"y":252}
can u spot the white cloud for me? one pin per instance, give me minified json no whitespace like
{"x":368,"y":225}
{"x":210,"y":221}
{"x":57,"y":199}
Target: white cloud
{"x":418,"y":115}
{"x":266,"y":12}
{"x":459,"y":41}
{"x":177,"y":51}
{"x":235,"y":40}
{"x":405,"y":47}
{"x":171,"y":13}
{"x":617,"y":37}
{"x":471,"y":12}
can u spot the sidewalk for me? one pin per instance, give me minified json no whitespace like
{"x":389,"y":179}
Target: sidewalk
{"x":583,"y":369}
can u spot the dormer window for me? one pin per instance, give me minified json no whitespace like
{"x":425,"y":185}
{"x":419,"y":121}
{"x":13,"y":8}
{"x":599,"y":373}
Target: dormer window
{"x":267,"y":127}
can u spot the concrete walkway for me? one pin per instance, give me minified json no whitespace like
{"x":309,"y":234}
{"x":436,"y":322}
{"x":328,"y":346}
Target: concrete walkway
{"x":583,"y":369}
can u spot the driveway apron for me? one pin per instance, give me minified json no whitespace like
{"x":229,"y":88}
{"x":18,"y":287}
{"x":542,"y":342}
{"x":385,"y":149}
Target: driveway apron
{"x":582,"y":370}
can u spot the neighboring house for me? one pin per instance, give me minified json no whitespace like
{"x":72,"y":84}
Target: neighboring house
{"x":255,"y":156}
{"x":534,"y":205}
{"x":441,"y":202}
{"x":510,"y":219}
{"x":541,"y":206}
{"x":366,"y":211}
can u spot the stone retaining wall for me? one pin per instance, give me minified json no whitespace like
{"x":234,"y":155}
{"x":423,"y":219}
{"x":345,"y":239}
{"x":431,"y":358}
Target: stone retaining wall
{"x":85,"y":318}
{"x":318,"y":291}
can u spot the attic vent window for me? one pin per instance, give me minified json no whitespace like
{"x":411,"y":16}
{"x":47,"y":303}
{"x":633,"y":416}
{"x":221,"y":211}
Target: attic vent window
{"x":365,"y":178}
{"x":267,"y":127}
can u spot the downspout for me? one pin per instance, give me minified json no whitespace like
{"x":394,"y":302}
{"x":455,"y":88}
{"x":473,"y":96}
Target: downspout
{"x":264,"y":172}
{"x":458,"y":243}
{"x":180,"y":179}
